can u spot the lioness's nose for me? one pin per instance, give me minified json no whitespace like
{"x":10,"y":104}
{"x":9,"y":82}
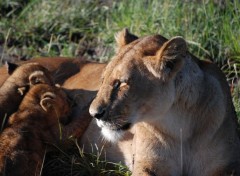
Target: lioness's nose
{"x":97,"y":113}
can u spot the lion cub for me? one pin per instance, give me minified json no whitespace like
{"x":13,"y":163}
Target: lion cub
{"x":23,"y":142}
{"x":20,"y":80}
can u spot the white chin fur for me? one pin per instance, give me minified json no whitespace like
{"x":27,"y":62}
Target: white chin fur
{"x":110,"y":135}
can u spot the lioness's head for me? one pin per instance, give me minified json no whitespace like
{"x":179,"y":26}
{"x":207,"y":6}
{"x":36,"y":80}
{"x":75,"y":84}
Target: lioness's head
{"x":139,"y":75}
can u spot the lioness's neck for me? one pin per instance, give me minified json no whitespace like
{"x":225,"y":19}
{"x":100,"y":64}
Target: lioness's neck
{"x":186,"y":116}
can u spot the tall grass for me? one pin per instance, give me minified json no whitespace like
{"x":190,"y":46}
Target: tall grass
{"x":86,"y":28}
{"x":62,"y":27}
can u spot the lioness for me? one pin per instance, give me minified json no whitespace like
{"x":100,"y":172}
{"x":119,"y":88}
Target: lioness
{"x":178,"y":107}
{"x":23,"y":143}
{"x":20,"y":80}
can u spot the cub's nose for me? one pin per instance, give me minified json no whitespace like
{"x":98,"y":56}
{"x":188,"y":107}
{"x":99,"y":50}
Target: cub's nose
{"x":98,"y":113}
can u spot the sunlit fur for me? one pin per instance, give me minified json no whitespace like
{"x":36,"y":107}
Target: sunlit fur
{"x":180,"y":107}
{"x":110,"y":135}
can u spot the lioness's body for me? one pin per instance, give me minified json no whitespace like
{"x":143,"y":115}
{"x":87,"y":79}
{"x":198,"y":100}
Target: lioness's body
{"x":70,"y":72}
{"x":179,"y":107}
{"x":60,"y":68}
{"x":23,"y":142}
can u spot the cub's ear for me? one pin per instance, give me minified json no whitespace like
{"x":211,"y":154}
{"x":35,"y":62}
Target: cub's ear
{"x":39,"y":77}
{"x":22,"y":90}
{"x":11,"y":67}
{"x":124,"y":37}
{"x":47,"y":101}
{"x":36,"y":78}
{"x":169,"y":58}
{"x":58,"y":85}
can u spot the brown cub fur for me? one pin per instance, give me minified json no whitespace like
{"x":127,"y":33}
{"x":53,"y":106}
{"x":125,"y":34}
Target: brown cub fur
{"x":23,"y":142}
{"x":21,"y":79}
{"x":61,"y":68}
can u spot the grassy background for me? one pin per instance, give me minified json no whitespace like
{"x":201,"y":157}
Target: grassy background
{"x":30,"y":28}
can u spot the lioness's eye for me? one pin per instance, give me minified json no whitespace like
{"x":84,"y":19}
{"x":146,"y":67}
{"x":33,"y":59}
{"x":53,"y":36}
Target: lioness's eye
{"x":116,"y":84}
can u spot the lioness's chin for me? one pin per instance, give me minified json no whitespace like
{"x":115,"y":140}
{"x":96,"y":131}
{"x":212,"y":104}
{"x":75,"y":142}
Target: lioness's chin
{"x":112,"y":133}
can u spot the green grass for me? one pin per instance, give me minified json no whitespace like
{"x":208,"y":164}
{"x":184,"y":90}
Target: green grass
{"x":56,"y":27}
{"x":71,"y":162}
{"x":236,"y":100}
{"x":86,"y":28}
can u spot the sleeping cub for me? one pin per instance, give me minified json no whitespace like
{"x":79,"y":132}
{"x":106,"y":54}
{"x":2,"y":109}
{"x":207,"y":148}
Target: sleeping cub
{"x":20,"y":80}
{"x":23,"y":142}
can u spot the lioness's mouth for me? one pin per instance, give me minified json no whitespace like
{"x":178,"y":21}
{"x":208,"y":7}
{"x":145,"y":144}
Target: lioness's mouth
{"x":112,"y":126}
{"x":125,"y":127}
{"x":111,"y":131}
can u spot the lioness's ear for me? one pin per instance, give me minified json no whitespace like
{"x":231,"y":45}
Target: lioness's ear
{"x":47,"y":100}
{"x":11,"y":67}
{"x":169,"y":58}
{"x":124,"y":37}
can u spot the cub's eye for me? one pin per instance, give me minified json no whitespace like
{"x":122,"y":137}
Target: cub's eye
{"x":116,"y":84}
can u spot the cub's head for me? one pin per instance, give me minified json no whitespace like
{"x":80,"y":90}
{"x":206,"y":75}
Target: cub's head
{"x":46,"y":101}
{"x":24,"y":76}
{"x":138,"y":79}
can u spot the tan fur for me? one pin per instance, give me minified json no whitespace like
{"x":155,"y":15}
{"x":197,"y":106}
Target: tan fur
{"x":13,"y":89}
{"x":180,"y":109}
{"x":82,"y":88}
{"x":23,"y":142}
